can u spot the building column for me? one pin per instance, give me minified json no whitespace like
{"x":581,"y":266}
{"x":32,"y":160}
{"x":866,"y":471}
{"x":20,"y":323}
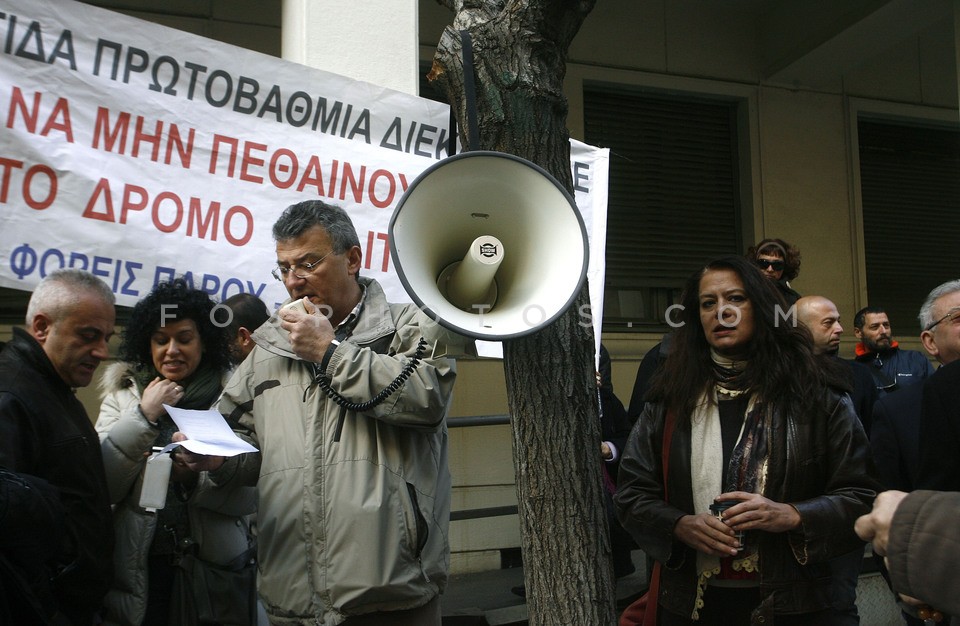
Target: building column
{"x":369,"y":40}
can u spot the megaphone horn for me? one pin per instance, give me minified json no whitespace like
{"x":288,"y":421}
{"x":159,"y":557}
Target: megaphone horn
{"x":489,"y":244}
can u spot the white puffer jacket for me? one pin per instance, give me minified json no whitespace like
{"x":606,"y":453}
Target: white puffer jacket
{"x":220,"y":509}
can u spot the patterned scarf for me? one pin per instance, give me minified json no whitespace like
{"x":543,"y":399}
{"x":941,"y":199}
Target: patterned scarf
{"x":728,"y":374}
{"x":746,"y":471}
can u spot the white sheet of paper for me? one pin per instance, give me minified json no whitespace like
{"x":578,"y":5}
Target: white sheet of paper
{"x":207,"y":433}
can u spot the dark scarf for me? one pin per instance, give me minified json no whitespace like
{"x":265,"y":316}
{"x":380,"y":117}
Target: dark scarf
{"x":200,"y":390}
{"x":729,"y":375}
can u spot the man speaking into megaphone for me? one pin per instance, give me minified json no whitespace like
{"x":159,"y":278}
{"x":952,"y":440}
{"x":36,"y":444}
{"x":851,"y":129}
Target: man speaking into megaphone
{"x":346,"y":399}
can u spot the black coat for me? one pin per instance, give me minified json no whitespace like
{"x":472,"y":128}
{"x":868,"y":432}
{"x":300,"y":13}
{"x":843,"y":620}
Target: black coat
{"x":865,"y":393}
{"x":895,"y":438}
{"x":30,"y":514}
{"x":818,"y":463}
{"x":614,"y":425}
{"x":940,"y":431}
{"x":45,"y":433}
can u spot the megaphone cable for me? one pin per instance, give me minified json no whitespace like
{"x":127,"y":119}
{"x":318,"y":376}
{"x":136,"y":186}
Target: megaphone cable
{"x":359,"y":407}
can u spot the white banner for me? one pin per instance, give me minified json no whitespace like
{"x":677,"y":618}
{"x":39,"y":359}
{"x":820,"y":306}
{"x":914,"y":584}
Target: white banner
{"x":140,"y":152}
{"x":591,"y":171}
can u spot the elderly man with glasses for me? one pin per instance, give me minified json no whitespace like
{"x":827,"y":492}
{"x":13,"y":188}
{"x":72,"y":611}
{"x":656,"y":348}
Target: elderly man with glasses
{"x":914,"y":437}
{"x":940,"y":421}
{"x":895,"y":434}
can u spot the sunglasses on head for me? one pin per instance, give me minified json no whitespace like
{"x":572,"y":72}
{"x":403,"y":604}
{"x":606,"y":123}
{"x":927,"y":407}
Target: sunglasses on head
{"x":777,"y":265}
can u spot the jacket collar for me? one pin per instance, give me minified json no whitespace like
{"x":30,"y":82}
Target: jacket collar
{"x":31,"y":353}
{"x":861,"y":350}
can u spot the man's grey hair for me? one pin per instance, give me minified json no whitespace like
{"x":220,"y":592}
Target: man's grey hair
{"x":926,"y":311}
{"x":298,"y":218}
{"x":57,"y":293}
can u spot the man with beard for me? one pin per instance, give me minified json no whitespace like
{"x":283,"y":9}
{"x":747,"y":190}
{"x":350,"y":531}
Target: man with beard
{"x":891,"y":366}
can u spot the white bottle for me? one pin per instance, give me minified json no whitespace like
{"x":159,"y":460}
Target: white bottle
{"x":156,"y":476}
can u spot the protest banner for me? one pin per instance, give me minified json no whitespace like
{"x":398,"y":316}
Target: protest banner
{"x":140,"y":152}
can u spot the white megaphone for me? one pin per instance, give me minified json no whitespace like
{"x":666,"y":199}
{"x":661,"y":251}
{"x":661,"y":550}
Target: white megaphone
{"x":489,"y":245}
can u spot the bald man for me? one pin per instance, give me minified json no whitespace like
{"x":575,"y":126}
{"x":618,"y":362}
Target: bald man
{"x":822,"y":319}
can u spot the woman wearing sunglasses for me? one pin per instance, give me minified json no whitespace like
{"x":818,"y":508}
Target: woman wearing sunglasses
{"x":780,"y":262}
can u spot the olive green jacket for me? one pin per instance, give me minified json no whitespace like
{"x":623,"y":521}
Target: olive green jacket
{"x":354,"y":505}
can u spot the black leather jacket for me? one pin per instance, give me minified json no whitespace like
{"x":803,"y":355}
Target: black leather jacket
{"x":818,"y":463}
{"x":45,"y":432}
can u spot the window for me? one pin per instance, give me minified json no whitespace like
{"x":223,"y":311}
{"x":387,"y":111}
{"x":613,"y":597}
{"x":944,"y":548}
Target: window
{"x":910,"y":189}
{"x":674,"y":199}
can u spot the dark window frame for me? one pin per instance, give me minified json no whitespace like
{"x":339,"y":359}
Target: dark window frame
{"x":659,"y":142}
{"x":910,"y":203}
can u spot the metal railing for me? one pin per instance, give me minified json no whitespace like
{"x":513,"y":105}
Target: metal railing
{"x":493,"y":511}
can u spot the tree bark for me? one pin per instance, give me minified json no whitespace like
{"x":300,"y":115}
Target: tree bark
{"x":520,"y":52}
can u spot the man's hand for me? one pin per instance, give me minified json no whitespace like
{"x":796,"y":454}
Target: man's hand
{"x":310,"y":334}
{"x":875,"y":525}
{"x":192,"y":461}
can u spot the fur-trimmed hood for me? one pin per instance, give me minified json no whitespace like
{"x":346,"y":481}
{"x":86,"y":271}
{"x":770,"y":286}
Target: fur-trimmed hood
{"x":117,"y":375}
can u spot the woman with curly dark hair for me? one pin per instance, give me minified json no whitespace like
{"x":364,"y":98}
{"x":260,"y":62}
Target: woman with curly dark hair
{"x":175,"y":350}
{"x":780,"y":262}
{"x":751,"y":424}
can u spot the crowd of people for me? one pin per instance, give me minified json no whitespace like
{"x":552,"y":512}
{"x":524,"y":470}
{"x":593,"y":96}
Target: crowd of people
{"x":796,"y":442}
{"x":348,"y":391}
{"x":751,"y":465}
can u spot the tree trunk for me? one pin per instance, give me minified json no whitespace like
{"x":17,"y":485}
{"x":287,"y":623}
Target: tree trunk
{"x":520,"y":51}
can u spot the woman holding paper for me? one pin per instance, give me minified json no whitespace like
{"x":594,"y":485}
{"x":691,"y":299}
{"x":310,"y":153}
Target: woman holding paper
{"x":175,"y":352}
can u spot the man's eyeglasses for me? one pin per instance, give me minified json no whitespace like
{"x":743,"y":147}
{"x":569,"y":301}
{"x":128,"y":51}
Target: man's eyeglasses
{"x":280,"y":272}
{"x":953,"y":315}
{"x":763,"y":264}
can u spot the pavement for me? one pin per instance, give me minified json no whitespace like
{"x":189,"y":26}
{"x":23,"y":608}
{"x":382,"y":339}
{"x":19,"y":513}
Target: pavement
{"x":487,"y":598}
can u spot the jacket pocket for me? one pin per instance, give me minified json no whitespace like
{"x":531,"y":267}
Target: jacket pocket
{"x":419,"y":528}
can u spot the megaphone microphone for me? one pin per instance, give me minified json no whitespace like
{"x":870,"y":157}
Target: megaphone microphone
{"x":489,"y":245}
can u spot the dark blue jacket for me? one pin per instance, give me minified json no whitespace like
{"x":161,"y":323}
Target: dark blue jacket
{"x":895,"y":368}
{"x":895,"y":438}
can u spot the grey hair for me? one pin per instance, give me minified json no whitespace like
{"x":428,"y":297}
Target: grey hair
{"x":58,"y":292}
{"x":298,"y":218}
{"x":926,"y":311}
